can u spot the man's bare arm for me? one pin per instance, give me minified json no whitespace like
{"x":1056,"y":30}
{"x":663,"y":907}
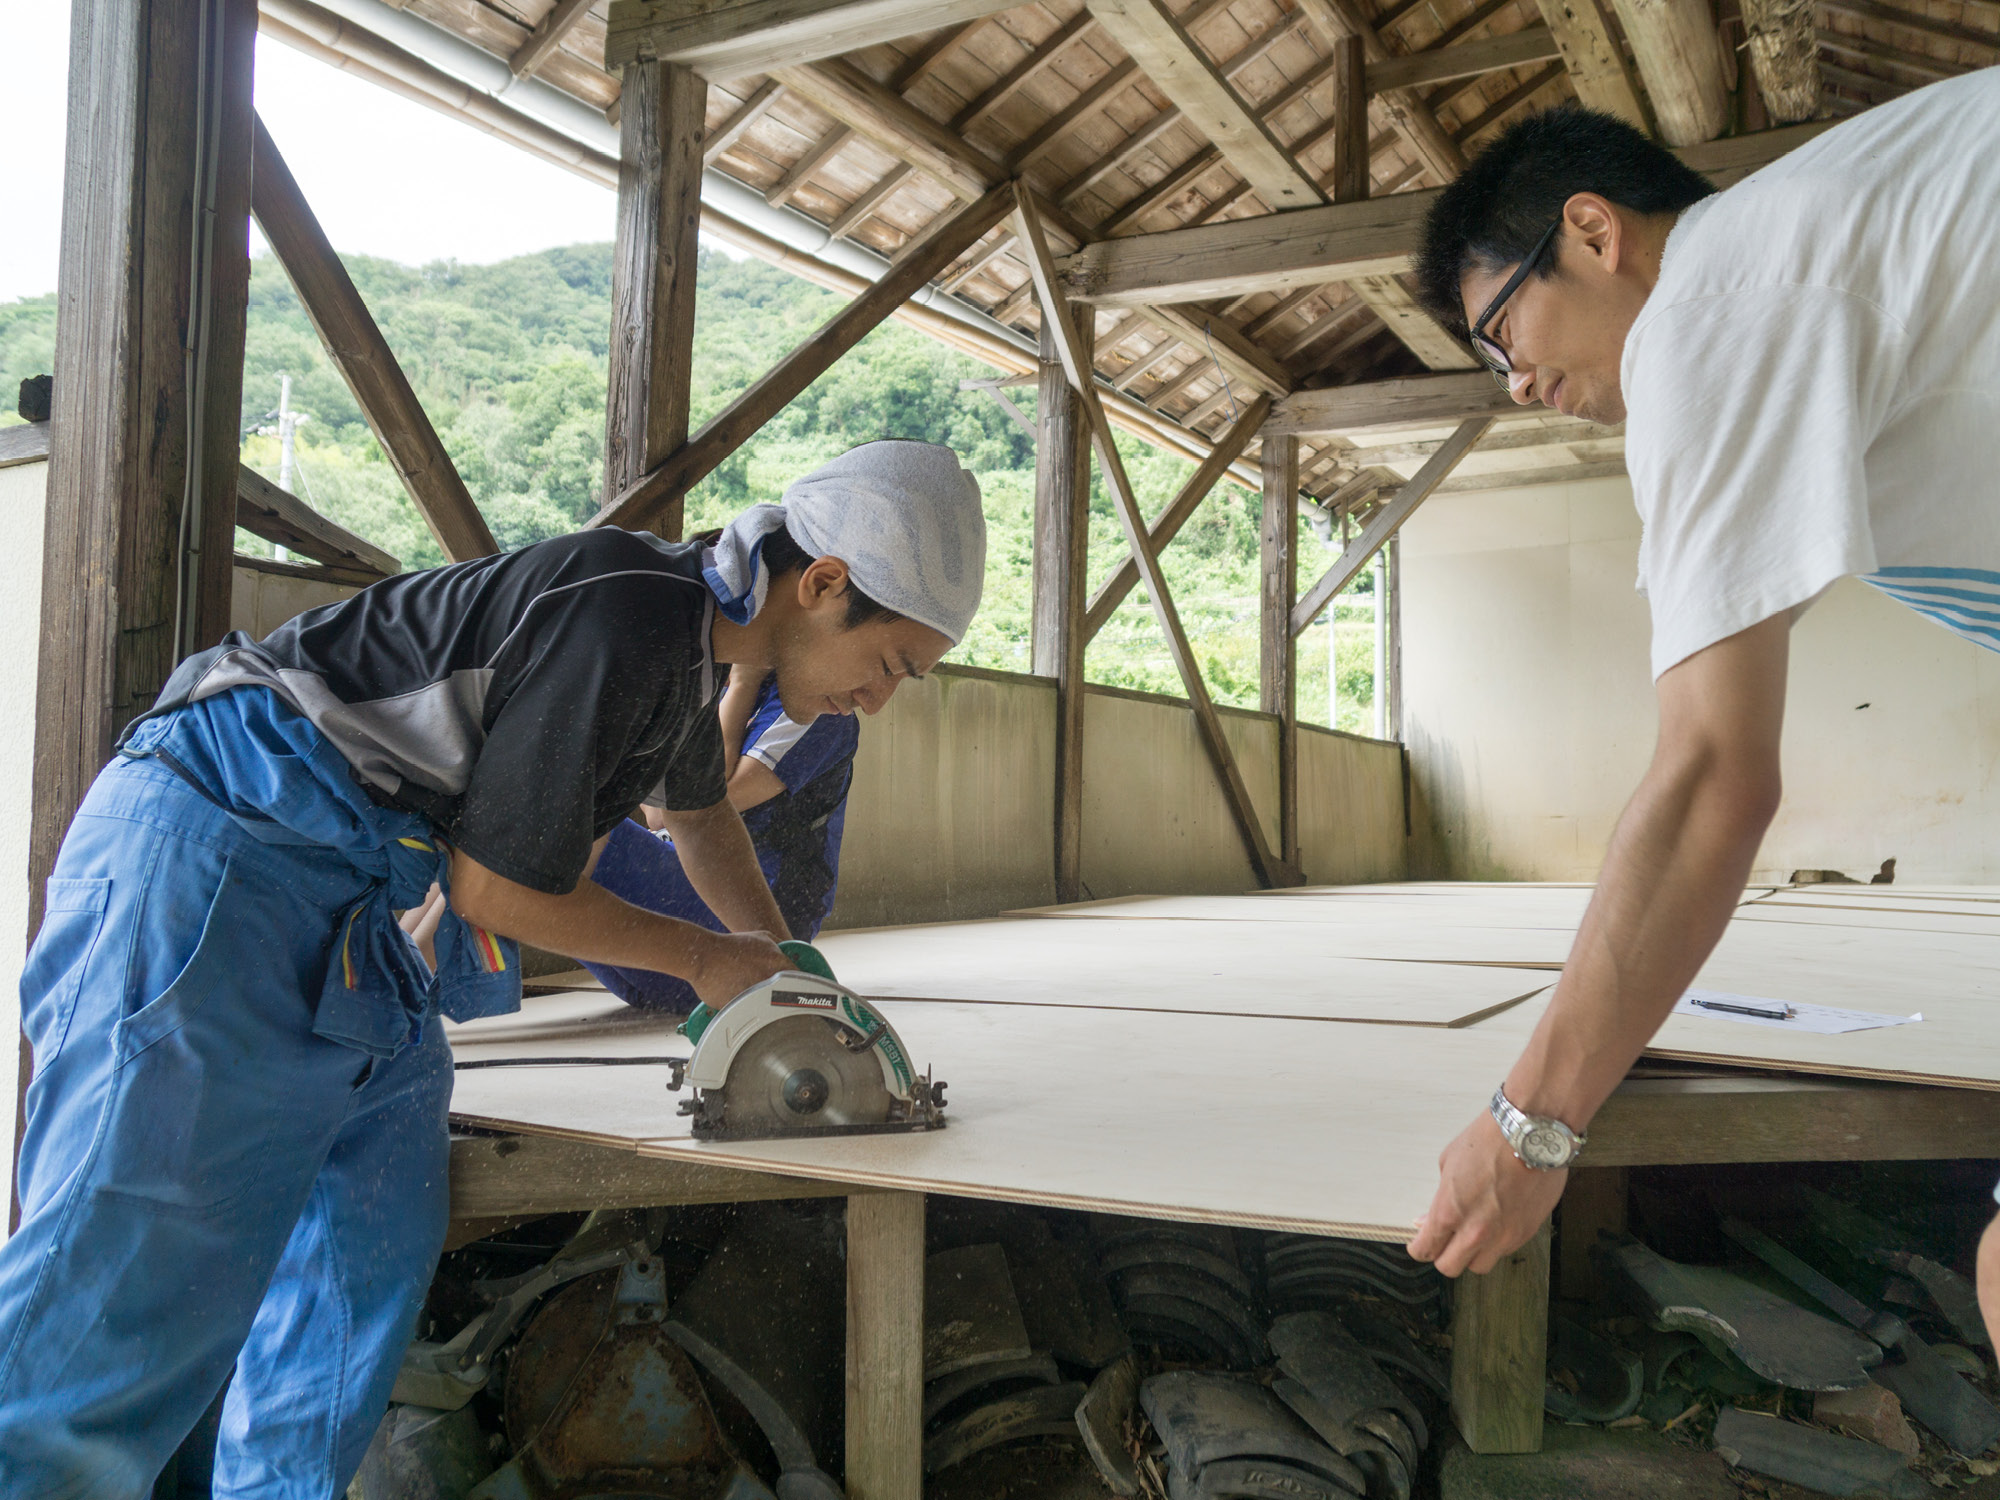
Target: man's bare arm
{"x":590,"y":923}
{"x":721,"y":865}
{"x":1672,"y":876}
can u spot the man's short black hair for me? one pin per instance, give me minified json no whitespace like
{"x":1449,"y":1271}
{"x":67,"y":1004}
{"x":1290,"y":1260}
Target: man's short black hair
{"x":1491,"y":217}
{"x":782,"y":555}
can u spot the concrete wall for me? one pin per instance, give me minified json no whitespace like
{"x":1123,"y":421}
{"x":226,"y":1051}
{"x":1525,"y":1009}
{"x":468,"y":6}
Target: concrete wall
{"x":1529,"y":708}
{"x":953,"y":812}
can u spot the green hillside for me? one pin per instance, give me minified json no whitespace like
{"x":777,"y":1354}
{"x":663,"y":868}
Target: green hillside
{"x":509,"y":361}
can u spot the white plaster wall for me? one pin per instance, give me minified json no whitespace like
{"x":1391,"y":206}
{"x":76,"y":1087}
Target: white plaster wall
{"x":1529,"y":707}
{"x":21,"y":490}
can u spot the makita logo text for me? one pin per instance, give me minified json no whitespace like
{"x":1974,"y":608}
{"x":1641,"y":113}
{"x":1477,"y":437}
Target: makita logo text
{"x":800,"y":998}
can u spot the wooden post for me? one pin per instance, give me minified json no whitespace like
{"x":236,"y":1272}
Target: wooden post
{"x":660,"y":121}
{"x":153,"y":280}
{"x":1268,"y":868}
{"x":1499,"y":1351}
{"x":885,"y":1346}
{"x":1062,"y":537}
{"x":1350,"y":121}
{"x":364,"y":359}
{"x":1278,"y":677}
{"x":1594,"y":1200}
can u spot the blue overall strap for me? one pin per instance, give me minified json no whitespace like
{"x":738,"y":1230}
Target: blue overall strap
{"x":284,"y":783}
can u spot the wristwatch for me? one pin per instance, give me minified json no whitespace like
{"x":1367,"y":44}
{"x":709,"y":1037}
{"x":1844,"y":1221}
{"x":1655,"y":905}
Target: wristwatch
{"x":1541,"y":1144}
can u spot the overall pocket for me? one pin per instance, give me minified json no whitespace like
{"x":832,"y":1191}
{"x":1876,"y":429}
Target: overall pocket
{"x":72,"y":920}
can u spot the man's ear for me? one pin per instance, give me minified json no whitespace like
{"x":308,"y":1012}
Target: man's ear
{"x":1596,"y":227}
{"x":821,"y":580}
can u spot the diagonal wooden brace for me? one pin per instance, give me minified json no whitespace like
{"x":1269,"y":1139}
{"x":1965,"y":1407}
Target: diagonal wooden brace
{"x":1387,"y":521}
{"x":1269,"y":868}
{"x":651,"y":494}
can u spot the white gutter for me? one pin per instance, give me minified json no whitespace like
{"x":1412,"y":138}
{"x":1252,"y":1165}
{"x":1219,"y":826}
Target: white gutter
{"x":396,"y":46}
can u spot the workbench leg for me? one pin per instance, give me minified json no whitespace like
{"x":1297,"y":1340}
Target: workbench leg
{"x":1499,"y":1351}
{"x":885,"y":1346}
{"x":1593,"y":1201}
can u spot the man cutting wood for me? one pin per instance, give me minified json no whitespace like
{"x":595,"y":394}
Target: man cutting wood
{"x":235,"y":1151}
{"x":1808,"y":367}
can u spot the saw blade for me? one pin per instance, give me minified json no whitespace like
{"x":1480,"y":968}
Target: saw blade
{"x":796,"y":1074}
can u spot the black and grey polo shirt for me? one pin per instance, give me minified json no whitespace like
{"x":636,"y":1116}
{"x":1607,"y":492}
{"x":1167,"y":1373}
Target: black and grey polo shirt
{"x":525,"y":704}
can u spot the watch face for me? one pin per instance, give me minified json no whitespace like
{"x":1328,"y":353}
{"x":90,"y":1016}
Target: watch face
{"x":1545,"y":1146}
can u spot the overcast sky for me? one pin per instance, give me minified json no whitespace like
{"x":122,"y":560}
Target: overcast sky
{"x":386,"y":176}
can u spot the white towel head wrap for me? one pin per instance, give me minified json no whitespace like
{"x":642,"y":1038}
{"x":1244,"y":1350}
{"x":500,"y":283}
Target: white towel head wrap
{"x":903,"y":516}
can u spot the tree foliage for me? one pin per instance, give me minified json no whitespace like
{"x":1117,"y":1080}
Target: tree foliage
{"x":509,"y":360}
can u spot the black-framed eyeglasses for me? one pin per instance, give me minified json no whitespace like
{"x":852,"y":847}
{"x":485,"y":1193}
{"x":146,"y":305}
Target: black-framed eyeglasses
{"x":1496,"y":359}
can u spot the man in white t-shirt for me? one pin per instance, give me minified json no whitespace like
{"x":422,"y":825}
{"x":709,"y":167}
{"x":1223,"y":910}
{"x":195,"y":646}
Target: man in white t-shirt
{"x":1808,"y":367}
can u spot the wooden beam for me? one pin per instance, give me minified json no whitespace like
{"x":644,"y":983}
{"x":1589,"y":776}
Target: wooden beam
{"x":1228,"y":448}
{"x":1597,"y":68}
{"x":1415,"y":121}
{"x":852,"y":216}
{"x":1059,"y":633}
{"x":761,"y":36}
{"x":1026,"y":71}
{"x":1499,"y":1351}
{"x":879,"y":114}
{"x":885,"y":1347}
{"x":525,"y":1176}
{"x":1239,"y":358}
{"x":1265,"y":863}
{"x":1171,"y":116}
{"x":1987,"y":43}
{"x":748,"y":113}
{"x":1277,"y":676}
{"x":1185,"y":74}
{"x":358,"y":350}
{"x":1271,"y":252}
{"x":653,"y":276}
{"x":1680,"y":58}
{"x":1397,"y":306}
{"x":1386,"y":521}
{"x":1531,"y":44}
{"x":817,"y":155}
{"x":663,"y":487}
{"x":1058,"y":126}
{"x":1348,"y":180}
{"x":547,"y":36}
{"x":1275,"y":252}
{"x":280,"y":516}
{"x":1385,"y":295}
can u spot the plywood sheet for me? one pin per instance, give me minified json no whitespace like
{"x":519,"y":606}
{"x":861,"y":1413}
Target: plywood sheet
{"x":1877,"y":898}
{"x":1320,"y":913}
{"x":1282,"y":1124}
{"x":1219,"y":968}
{"x":1891,"y":918}
{"x":1953,"y":980}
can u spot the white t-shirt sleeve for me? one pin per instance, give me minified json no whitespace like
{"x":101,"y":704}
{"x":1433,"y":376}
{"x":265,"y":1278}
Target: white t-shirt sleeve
{"x":1749,"y":419}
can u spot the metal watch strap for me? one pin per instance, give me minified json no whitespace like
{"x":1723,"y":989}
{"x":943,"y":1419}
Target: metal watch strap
{"x":1515,"y":1124}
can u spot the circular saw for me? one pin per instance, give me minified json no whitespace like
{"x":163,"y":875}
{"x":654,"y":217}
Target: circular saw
{"x":802,"y":1055}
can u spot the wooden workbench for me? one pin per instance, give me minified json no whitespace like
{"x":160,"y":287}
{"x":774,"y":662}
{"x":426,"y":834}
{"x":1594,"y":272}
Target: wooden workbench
{"x":1276,"y":1115}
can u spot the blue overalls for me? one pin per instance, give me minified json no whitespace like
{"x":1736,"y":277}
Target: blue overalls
{"x":236,"y":1141}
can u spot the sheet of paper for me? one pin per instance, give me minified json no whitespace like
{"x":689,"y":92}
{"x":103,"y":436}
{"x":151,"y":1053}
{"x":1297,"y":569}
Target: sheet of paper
{"x":1822,"y":1020}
